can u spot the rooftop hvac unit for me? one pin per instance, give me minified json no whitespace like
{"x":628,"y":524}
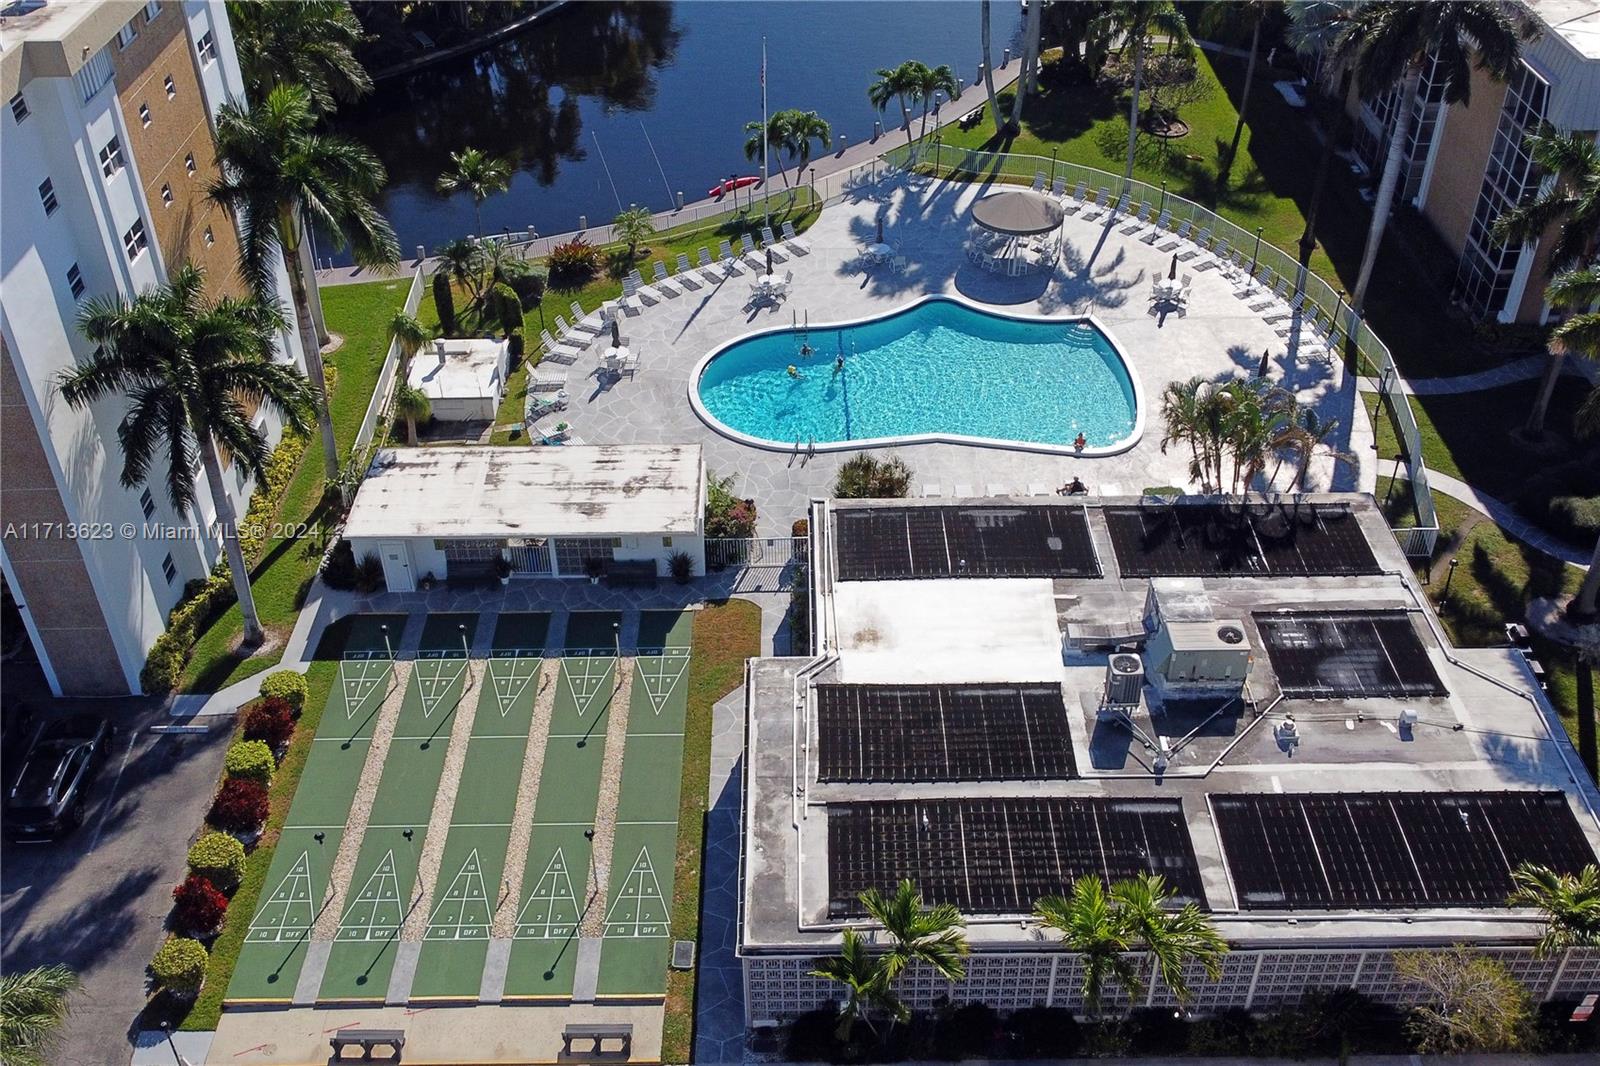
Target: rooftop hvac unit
{"x":1124,"y":680}
{"x":1216,"y":652}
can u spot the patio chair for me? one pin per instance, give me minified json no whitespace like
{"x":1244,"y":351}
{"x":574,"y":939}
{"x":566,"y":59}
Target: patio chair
{"x":1075,"y":202}
{"x":645,"y":292}
{"x":686,"y":275}
{"x":1101,"y":202}
{"x":547,"y":377}
{"x":730,"y":262}
{"x":748,"y":251}
{"x":671,"y":288}
{"x":933,"y":490}
{"x":1039,"y":181}
{"x":591,"y":322}
{"x":793,"y":239}
{"x":769,"y":243}
{"x":1137,"y":222}
{"x":1162,"y":222}
{"x":555,"y":351}
{"x":899,"y":264}
{"x":708,"y":270}
{"x":1059,"y":188}
{"x":570,"y":336}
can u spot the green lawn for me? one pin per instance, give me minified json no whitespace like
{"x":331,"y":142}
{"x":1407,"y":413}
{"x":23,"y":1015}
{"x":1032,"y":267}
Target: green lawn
{"x":360,"y":314}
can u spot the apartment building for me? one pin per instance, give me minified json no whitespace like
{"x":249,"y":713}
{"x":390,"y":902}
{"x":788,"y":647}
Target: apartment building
{"x":1465,"y":165}
{"x":107,"y":147}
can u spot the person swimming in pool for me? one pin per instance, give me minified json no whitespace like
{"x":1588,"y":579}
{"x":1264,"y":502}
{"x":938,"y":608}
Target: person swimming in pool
{"x":794,"y":371}
{"x":838,"y":363}
{"x":1080,"y":442}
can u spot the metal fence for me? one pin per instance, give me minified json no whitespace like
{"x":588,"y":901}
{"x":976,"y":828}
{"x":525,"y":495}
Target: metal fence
{"x":1267,"y":263}
{"x":746,"y":552}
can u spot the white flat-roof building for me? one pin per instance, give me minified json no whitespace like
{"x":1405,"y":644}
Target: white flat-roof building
{"x":451,"y":513}
{"x":463,"y":378}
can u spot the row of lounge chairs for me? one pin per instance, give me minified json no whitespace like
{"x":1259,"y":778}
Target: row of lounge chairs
{"x":668,"y":285}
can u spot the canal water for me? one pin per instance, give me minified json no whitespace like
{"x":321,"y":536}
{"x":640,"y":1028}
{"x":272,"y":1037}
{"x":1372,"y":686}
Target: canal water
{"x":606,"y":104}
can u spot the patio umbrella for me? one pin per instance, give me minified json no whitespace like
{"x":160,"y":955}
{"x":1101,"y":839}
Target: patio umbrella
{"x":1172,"y":271}
{"x":769,"y":261}
{"x":616,"y":334}
{"x":1266,"y":359}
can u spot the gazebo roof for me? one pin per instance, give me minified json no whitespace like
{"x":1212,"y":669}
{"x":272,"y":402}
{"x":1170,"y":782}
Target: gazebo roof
{"x":1019,"y":212}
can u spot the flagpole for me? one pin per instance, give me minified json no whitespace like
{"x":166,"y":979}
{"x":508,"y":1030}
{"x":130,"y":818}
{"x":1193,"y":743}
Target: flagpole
{"x":764,"y":139}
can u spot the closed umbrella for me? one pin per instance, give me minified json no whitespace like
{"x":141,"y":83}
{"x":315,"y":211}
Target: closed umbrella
{"x":616,"y":334}
{"x":1172,"y":271}
{"x":1266,"y":360}
{"x":769,"y":262}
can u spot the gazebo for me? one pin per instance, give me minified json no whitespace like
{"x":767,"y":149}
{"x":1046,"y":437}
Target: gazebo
{"x":1015,"y":231}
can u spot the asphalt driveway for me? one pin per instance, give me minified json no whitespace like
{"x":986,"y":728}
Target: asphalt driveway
{"x":98,"y":899}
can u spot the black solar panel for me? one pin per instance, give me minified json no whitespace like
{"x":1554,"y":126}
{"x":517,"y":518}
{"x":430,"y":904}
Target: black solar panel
{"x":942,"y":733}
{"x":884,"y":543}
{"x":999,"y":856}
{"x":1262,"y":540}
{"x":1347,"y":654}
{"x":1382,"y":850}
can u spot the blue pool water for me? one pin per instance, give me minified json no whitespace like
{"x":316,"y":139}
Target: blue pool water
{"x":938,"y":368}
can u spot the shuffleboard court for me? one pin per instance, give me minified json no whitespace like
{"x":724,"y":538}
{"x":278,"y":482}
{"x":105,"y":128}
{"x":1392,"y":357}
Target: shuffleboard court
{"x":556,"y":877}
{"x":521,"y":633}
{"x":633,"y":954}
{"x":592,"y":632}
{"x":275,"y":945}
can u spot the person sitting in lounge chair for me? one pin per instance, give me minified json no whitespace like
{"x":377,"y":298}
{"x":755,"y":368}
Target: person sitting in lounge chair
{"x":1075,"y":487}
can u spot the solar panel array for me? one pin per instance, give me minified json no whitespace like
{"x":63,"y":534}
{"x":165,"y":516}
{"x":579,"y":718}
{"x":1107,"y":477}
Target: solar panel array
{"x":1347,"y":653}
{"x":999,"y":856}
{"x":942,"y":733}
{"x":884,"y":543}
{"x":1392,"y":849}
{"x":1215,"y":540}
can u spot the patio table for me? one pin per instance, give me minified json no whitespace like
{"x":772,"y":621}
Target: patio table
{"x":880,"y":251}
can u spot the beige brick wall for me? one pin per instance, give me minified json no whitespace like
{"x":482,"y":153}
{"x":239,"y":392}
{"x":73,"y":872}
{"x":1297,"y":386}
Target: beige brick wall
{"x":1466,"y":137}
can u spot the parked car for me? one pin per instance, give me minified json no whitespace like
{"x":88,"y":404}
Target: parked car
{"x":51,"y":790}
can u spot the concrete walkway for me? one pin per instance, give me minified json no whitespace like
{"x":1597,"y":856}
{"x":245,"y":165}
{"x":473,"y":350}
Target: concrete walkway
{"x":1527,"y":368}
{"x":1506,"y":517}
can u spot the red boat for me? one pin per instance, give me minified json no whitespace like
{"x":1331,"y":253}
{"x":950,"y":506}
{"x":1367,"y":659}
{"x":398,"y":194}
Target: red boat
{"x":719,"y":191}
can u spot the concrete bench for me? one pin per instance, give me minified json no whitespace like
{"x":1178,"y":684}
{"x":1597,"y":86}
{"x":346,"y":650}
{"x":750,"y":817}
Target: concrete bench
{"x":594,"y":1040}
{"x":635,"y":573}
{"x":366,"y":1040}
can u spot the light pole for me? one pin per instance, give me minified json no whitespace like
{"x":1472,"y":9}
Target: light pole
{"x":466,"y":654}
{"x":1163,"y":195}
{"x":1444,"y":597}
{"x":166,"y":1030}
{"x":1255,"y":255}
{"x":1053,"y":150}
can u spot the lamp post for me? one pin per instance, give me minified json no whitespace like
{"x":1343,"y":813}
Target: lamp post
{"x":1444,"y":597}
{"x":1053,"y":150}
{"x":166,"y":1031}
{"x":466,"y":654}
{"x":1255,"y":254}
{"x":1163,"y":197}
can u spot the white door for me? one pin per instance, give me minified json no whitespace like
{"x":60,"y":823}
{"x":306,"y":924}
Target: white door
{"x":396,"y":566}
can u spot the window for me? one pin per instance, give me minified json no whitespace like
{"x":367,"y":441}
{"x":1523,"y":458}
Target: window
{"x":172,"y":89}
{"x":111,"y":158}
{"x":47,"y":197}
{"x":134,"y":240}
{"x":19,"y":108}
{"x":574,"y":553}
{"x":75,"y":280}
{"x":208,"y":49}
{"x":188,"y":163}
{"x":166,"y":195}
{"x":152,"y":10}
{"x":144,"y":115}
{"x":169,"y":569}
{"x":209,"y":237}
{"x":666,"y":542}
{"x":126,"y":35}
{"x":147,"y":503}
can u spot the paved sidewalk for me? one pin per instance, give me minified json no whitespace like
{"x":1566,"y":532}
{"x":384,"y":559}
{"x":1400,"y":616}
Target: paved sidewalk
{"x":1506,"y":517}
{"x":1518,"y":370}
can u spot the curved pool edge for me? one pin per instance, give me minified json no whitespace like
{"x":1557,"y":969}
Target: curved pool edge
{"x":1135,"y":435}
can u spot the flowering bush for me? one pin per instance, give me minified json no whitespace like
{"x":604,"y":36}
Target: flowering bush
{"x":271,"y":721}
{"x":199,"y":906}
{"x":219,"y":858}
{"x":241,"y":806}
{"x":573,"y":264}
{"x":726,"y":514}
{"x":252,"y":759}
{"x":180,"y":966}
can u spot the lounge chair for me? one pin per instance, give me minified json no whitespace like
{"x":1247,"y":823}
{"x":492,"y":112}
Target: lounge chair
{"x":769,"y":243}
{"x":996,"y":489}
{"x":589,"y":322}
{"x":555,"y":351}
{"x":933,"y":490}
{"x":686,"y":276}
{"x":1137,"y":222}
{"x":708,"y":270}
{"x":749,"y":252}
{"x":631,"y":303}
{"x":1162,"y":223}
{"x":730,"y":262}
{"x":1059,"y":188}
{"x":647,"y":293}
{"x":793,"y":240}
{"x":1038,"y":181}
{"x":570,"y":336}
{"x":663,"y":282}
{"x":1075,"y":203}
{"x":547,"y":377}
{"x":963,"y":492}
{"x":1101,"y":202}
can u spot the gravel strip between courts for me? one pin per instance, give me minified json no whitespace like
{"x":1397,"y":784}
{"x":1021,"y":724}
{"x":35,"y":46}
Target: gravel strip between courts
{"x":355,"y":826}
{"x":444,"y":802}
{"x":504,"y":925}
{"x":605,"y":815}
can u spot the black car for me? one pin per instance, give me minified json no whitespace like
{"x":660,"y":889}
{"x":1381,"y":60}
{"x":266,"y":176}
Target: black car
{"x":51,"y":789}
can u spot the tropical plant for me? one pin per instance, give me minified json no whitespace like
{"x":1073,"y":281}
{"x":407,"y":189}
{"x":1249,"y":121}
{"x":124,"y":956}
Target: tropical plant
{"x":899,"y":84}
{"x":479,"y":175}
{"x":1030,"y":66}
{"x":1578,"y":335}
{"x":1233,"y":16}
{"x":801,"y":131}
{"x":929,"y":83}
{"x":766,"y":139}
{"x":865,"y":476}
{"x":444,"y":303}
{"x":1570,"y":903}
{"x":179,"y":967}
{"x":408,"y":336}
{"x":462,"y":261}
{"x":633,"y":227}
{"x":280,"y":177}
{"x":866,"y":982}
{"x":1473,"y":1004}
{"x":198,"y":906}
{"x":193,"y":372}
{"x":33,"y":1006}
{"x":920,"y":933}
{"x":988,"y":67}
{"x":300,"y":42}
{"x":411,"y":404}
{"x":1139,"y":20}
{"x":287,"y":685}
{"x":573,"y":264}
{"x":1302,"y":431}
{"x":1313,"y":24}
{"x":1110,"y":928}
{"x":1388,"y":43}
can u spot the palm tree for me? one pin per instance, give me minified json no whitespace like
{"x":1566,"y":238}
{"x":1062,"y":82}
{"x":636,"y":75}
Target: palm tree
{"x":898,"y":83}
{"x":1139,"y":19}
{"x":193,"y":371}
{"x":633,"y":225}
{"x":1108,"y":929}
{"x":409,"y":336}
{"x":1030,"y":62}
{"x":1389,"y":42}
{"x":310,"y":43}
{"x":866,"y":981}
{"x":768,"y":138}
{"x":802,"y":129}
{"x":1571,"y":205}
{"x":281,"y":177}
{"x":1570,"y":902}
{"x":411,"y":404}
{"x":1180,"y":411}
{"x":477,"y":173}
{"x":33,"y":1004}
{"x":463,"y":260}
{"x":1580,"y":335}
{"x":1312,"y":27}
{"x":1233,"y":15}
{"x":930,"y":83}
{"x":930,"y":935}
{"x":1303,"y":431}
{"x":988,"y":67}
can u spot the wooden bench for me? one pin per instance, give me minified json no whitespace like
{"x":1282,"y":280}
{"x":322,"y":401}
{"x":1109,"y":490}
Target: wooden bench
{"x":367,"y":1039}
{"x":632,"y":573}
{"x":595,"y":1038}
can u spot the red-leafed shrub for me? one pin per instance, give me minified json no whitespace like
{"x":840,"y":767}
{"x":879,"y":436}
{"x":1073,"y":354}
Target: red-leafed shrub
{"x":573,"y":264}
{"x":241,"y":805}
{"x":199,"y":906}
{"x":270,"y":721}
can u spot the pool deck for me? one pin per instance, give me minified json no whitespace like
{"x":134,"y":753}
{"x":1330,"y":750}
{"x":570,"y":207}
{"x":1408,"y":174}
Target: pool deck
{"x":1102,"y":270}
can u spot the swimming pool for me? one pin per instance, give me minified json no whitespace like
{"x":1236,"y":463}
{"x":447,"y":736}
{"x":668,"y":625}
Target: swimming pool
{"x":939,"y":370}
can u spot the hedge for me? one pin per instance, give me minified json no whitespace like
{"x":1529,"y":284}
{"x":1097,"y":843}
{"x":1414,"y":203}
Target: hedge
{"x":250,"y":759}
{"x":180,"y":965}
{"x":286,"y":685}
{"x":219,"y":858}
